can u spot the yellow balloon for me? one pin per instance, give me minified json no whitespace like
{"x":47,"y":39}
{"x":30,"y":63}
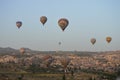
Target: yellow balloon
{"x":108,"y":39}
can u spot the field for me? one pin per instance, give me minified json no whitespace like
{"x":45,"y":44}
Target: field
{"x":44,"y":76}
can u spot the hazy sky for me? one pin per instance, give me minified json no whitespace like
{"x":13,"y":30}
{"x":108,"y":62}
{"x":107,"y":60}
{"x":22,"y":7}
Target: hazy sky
{"x":87,"y":19}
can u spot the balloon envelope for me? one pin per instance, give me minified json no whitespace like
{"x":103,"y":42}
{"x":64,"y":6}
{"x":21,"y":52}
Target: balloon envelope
{"x":43,"y":19}
{"x":108,"y":39}
{"x":18,"y":24}
{"x":93,"y":40}
{"x":59,"y":43}
{"x":63,"y":23}
{"x":65,"y":61}
{"x":22,"y":50}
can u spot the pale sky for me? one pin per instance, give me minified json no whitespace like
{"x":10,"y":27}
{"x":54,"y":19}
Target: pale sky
{"x":87,"y":19}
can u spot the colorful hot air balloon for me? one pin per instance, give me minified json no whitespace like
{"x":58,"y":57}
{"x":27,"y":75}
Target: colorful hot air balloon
{"x":63,"y":23}
{"x":22,"y":50}
{"x":108,"y":39}
{"x":93,"y":40}
{"x":18,"y":24}
{"x":43,"y":19}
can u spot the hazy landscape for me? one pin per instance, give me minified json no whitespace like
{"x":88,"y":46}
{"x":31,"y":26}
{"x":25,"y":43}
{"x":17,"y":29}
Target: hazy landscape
{"x":59,"y":39}
{"x":58,"y":65}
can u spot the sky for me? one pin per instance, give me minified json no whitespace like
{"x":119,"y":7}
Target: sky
{"x":87,"y":19}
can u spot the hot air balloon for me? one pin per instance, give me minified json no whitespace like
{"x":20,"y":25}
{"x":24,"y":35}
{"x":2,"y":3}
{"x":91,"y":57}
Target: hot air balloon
{"x":108,"y":39}
{"x":18,"y":24}
{"x":59,"y":43}
{"x":63,"y":23}
{"x":22,"y":51}
{"x":65,"y":61}
{"x":43,"y":19}
{"x":93,"y":40}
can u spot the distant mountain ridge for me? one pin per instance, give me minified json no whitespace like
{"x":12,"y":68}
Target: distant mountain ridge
{"x":9,"y":50}
{"x":12,"y":50}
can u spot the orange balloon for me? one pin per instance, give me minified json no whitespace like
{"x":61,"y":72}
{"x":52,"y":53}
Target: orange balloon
{"x":108,"y":39}
{"x":22,"y":50}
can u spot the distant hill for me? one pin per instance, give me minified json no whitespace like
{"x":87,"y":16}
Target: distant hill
{"x":9,"y":50}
